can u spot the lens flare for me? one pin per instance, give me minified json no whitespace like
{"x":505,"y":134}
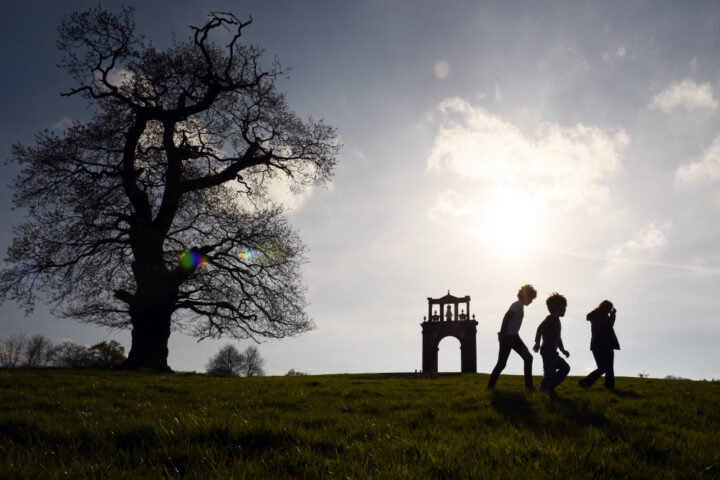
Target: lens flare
{"x":190,"y":259}
{"x":249,"y":255}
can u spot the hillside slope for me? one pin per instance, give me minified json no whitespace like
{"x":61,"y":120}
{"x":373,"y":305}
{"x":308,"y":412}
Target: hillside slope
{"x":78,"y":424}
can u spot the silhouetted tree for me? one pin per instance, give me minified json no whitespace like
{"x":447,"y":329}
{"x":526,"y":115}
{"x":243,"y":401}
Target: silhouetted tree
{"x":228,"y":361}
{"x":36,"y":351}
{"x":12,"y":349}
{"x":69,"y":355}
{"x":154,"y":215}
{"x":106,"y":354}
{"x":295,"y":373}
{"x":252,"y":363}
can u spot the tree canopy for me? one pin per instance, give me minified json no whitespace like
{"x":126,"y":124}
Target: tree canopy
{"x":229,"y":361}
{"x":154,"y":214}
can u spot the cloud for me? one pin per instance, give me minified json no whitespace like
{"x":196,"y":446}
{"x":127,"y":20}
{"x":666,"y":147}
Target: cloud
{"x":562,"y":166}
{"x":450,"y":204}
{"x":116,"y":77}
{"x":619,"y":53}
{"x":648,"y":239}
{"x":281,"y":192}
{"x":704,"y":170}
{"x":62,"y":124}
{"x":686,"y":95}
{"x":441,"y":69}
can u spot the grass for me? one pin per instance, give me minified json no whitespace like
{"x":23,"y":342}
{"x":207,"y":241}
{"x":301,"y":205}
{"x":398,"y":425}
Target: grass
{"x":100,"y":424}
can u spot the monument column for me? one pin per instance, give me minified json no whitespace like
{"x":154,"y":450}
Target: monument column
{"x":468,"y":353}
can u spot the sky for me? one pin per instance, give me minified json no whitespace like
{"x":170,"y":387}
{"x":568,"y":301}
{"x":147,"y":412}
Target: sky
{"x":571,"y":145}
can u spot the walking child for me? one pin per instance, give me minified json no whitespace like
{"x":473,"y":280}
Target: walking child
{"x":603,"y":344}
{"x":555,"y":369}
{"x":509,"y":337}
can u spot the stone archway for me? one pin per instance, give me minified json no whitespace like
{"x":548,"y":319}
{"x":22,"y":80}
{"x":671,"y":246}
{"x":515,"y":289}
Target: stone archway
{"x":452,"y":324}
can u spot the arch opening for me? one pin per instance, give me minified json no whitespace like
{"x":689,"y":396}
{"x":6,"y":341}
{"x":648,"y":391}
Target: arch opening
{"x":449,"y":355}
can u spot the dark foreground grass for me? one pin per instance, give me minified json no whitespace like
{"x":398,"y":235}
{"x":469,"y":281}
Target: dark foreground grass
{"x":92,"y":424}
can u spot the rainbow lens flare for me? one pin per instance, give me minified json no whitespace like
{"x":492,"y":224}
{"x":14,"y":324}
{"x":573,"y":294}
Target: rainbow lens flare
{"x":190,"y":259}
{"x":249,"y":255}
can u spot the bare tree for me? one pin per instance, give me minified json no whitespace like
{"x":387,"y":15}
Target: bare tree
{"x":12,"y":349}
{"x":154,"y":215}
{"x":69,"y":355}
{"x":36,"y":351}
{"x":228,"y":361}
{"x":253,"y":363}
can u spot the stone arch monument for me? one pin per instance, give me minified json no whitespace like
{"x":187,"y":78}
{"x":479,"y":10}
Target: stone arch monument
{"x":449,"y":322}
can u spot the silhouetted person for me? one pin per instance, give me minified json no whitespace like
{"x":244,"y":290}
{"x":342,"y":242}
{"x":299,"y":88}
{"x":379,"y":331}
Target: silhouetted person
{"x":509,"y":337}
{"x":555,"y":369}
{"x":462,"y":315}
{"x":435,"y":317}
{"x":603,"y":344}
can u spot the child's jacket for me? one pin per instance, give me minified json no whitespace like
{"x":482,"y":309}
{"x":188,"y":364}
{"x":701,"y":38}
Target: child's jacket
{"x":549,"y":331}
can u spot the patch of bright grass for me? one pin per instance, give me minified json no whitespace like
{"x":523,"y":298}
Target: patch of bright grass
{"x":79,"y":424}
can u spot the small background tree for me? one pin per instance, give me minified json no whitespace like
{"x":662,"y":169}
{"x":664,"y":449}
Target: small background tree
{"x":36,"y":351}
{"x":227,"y":361}
{"x":253,"y":363}
{"x":12,"y":349}
{"x":67,"y":354}
{"x":106,"y":354}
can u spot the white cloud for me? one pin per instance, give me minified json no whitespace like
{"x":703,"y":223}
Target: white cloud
{"x":648,"y":239}
{"x":116,"y":77}
{"x":565,"y":167}
{"x":450,"y":204}
{"x":281,"y":191}
{"x":686,"y":95}
{"x":62,"y":124}
{"x":704,"y":170}
{"x":441,"y":69}
{"x":618,"y":54}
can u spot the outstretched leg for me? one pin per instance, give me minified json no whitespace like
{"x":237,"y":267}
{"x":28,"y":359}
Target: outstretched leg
{"x":548,"y":356}
{"x":519,"y":346}
{"x":503,"y":354}
{"x":605,"y":362}
{"x":601,"y":359}
{"x":563,"y":368}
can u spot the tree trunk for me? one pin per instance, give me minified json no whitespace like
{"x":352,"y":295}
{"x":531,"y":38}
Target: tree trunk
{"x":150,"y":314}
{"x":150,"y":334}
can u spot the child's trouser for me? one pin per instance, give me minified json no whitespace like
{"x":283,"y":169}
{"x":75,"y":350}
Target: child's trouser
{"x":508,"y":343}
{"x":555,"y":369}
{"x":604,"y":359}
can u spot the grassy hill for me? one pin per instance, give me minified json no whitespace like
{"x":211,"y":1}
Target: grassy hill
{"x":99,"y":424}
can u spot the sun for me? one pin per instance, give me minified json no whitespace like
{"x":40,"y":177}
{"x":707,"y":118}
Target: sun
{"x":511,"y":219}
